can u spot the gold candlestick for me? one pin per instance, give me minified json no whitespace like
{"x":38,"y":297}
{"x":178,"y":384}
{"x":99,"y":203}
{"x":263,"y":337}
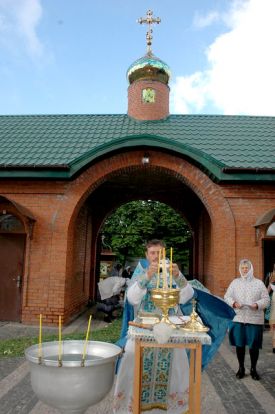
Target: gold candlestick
{"x":194,"y":325}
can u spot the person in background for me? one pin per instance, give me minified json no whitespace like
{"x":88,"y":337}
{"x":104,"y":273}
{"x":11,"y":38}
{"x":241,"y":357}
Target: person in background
{"x":127,"y":273}
{"x":117,"y":270}
{"x":271,"y":316}
{"x":249,"y":297}
{"x":109,"y":291}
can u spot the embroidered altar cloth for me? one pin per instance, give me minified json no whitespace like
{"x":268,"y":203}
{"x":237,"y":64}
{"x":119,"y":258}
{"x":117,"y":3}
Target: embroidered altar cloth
{"x":165,"y":378}
{"x":178,"y":336}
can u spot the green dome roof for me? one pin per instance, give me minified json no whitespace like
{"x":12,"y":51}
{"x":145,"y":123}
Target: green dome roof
{"x":149,"y":67}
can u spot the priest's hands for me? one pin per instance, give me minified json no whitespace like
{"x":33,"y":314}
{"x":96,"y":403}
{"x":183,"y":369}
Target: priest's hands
{"x":175,"y":270}
{"x":153,"y":269}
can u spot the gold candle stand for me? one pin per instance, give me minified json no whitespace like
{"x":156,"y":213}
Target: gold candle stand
{"x":194,"y":325}
{"x":165,"y":299}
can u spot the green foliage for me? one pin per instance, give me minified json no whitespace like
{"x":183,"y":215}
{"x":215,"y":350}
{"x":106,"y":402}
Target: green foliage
{"x":134,"y":223}
{"x":16,"y":347}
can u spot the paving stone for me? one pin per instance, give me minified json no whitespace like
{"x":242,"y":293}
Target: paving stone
{"x":8,"y":365}
{"x":222,"y":393}
{"x":20,"y":399}
{"x":221,"y":375}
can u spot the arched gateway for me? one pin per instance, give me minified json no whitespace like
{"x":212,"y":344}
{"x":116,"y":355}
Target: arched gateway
{"x":66,"y":173}
{"x":167,"y":178}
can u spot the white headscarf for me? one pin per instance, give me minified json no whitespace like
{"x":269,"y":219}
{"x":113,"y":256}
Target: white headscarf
{"x":249,"y":274}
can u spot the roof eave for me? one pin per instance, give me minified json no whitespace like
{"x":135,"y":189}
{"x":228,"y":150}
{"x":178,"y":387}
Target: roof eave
{"x":217,"y":171}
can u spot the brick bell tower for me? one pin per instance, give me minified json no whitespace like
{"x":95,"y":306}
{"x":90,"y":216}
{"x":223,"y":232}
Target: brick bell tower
{"x":148,"y":91}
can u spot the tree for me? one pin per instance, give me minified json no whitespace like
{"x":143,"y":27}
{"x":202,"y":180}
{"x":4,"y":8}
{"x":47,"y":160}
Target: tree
{"x":132,"y":224}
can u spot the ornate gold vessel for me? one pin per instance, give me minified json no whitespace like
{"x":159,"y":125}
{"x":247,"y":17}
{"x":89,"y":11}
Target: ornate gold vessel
{"x":194,"y":325}
{"x":165,"y":299}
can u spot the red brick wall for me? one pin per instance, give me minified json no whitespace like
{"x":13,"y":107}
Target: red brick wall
{"x":148,"y":111}
{"x":56,"y":280}
{"x":204,"y":251}
{"x":78,"y":281}
{"x":249,"y":202}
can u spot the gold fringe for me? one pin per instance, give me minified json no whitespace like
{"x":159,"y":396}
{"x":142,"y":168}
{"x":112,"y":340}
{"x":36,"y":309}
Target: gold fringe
{"x":163,"y":407}
{"x":148,"y":407}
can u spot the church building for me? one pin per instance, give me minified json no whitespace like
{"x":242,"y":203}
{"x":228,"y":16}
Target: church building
{"x":62,"y":175}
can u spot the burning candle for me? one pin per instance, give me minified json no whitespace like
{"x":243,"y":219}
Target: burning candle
{"x":171,"y":267}
{"x":59,"y":342}
{"x":86,"y":341}
{"x":40,"y":339}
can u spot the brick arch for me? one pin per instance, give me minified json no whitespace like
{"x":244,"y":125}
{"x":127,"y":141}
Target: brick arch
{"x":222,"y":220}
{"x":208,"y":192}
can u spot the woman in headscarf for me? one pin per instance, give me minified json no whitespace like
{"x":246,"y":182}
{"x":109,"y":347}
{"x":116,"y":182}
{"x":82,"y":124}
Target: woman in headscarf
{"x":249,"y":297}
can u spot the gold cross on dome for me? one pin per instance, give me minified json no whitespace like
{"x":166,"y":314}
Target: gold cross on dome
{"x":149,"y":19}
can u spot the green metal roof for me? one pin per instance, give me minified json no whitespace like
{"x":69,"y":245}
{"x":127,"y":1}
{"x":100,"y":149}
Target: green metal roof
{"x":228,"y":148}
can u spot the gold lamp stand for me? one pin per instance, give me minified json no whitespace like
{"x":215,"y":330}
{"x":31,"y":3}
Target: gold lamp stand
{"x":194,"y":325}
{"x":165,"y":299}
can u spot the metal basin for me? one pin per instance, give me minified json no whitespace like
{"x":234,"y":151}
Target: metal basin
{"x":72,"y":388}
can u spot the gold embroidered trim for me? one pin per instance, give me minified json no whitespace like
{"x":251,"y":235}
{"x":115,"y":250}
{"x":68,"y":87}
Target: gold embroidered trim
{"x":147,"y":407}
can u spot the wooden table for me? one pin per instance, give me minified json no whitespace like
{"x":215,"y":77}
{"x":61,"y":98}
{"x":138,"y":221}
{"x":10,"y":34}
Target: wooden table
{"x":194,"y":344}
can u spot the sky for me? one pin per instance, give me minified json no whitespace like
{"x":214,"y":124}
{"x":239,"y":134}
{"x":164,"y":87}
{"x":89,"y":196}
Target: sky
{"x":71,"y":56}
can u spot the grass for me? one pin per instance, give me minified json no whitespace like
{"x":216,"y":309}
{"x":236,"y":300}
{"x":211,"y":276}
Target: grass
{"x":16,"y":347}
